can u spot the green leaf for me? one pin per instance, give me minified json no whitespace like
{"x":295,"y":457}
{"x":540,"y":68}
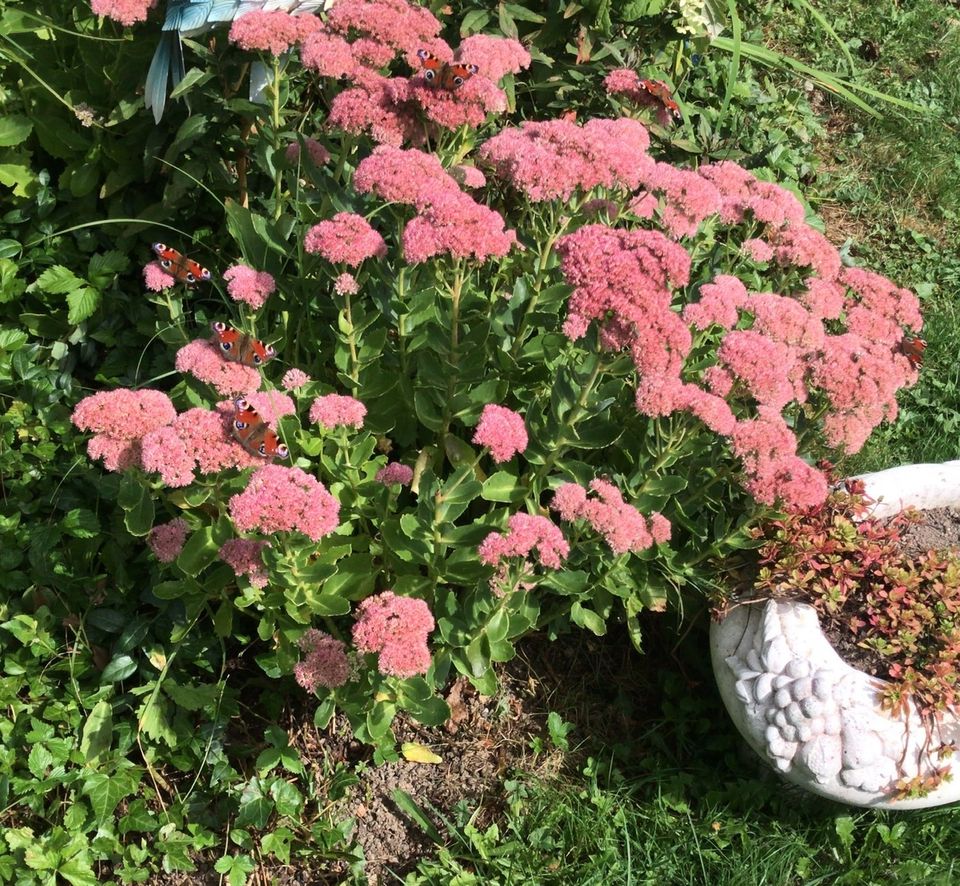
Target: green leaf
{"x":105,"y":791}
{"x":501,"y":486}
{"x":588,"y":619}
{"x":255,"y":807}
{"x":200,"y":551}
{"x":14,"y":129}
{"x":97,"y":731}
{"x":664,"y":485}
{"x":137,"y":502}
{"x":120,"y":667}
{"x":278,"y":843}
{"x":236,"y":867}
{"x":59,"y":280}
{"x":407,"y":805}
{"x":18,"y":176}
{"x":82,"y":304}
{"x":81,"y":523}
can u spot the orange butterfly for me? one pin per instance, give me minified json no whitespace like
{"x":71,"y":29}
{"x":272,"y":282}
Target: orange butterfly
{"x":912,"y":348}
{"x":446,"y":75}
{"x":661,"y":92}
{"x":238,"y":347}
{"x":184,"y":269}
{"x":254,"y":434}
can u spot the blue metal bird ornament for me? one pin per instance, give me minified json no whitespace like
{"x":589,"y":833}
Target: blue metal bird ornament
{"x":186,"y":18}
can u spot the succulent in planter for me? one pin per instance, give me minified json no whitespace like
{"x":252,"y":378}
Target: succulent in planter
{"x":879,"y":726}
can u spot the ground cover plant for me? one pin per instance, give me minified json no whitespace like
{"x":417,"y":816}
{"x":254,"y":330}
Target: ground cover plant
{"x":161,"y":646}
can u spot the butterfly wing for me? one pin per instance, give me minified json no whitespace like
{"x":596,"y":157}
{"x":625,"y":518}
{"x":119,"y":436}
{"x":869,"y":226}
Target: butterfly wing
{"x":447,"y":76}
{"x":661,"y":92}
{"x":254,"y":434}
{"x":453,"y":76}
{"x":912,"y":348}
{"x":238,"y":347}
{"x":183,"y":269}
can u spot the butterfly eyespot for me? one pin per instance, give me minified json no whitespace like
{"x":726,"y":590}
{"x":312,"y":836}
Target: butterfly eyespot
{"x":226,"y":345}
{"x":165,"y":263}
{"x":428,"y":75}
{"x":262,"y":449}
{"x":191,"y":278}
{"x":219,"y":326}
{"x":282,"y":451}
{"x":458,"y":81}
{"x":271,"y":351}
{"x":159,"y":247}
{"x":257,"y":359}
{"x":240,"y":425}
{"x":205,"y":274}
{"x":240,"y":404}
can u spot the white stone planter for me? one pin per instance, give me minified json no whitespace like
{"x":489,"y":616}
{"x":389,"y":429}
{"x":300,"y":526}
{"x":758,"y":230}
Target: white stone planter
{"x":817,"y":720}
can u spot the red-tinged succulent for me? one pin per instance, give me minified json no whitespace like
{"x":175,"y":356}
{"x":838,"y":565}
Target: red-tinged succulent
{"x":851,"y":568}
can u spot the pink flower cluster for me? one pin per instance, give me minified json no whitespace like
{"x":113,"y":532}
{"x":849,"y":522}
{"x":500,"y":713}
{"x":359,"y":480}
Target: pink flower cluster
{"x":362,"y":37}
{"x":127,"y":12}
{"x":502,"y":431}
{"x":326,"y":663}
{"x":198,"y":440}
{"x":556,"y":158}
{"x":166,"y":540}
{"x":155,"y":278}
{"x":283,"y":499}
{"x":451,"y":222}
{"x":688,"y":198}
{"x":448,"y":221}
{"x":247,"y":285}
{"x":396,"y":628}
{"x":395,"y":473}
{"x":626,"y":82}
{"x":347,"y":238}
{"x":203,"y":361}
{"x":346,"y":284}
{"x":245,"y":557}
{"x":119,"y":419}
{"x":294,"y":378}
{"x":525,"y":534}
{"x":316,"y":152}
{"x":336,"y":409}
{"x":274,"y":32}
{"x":623,"y":526}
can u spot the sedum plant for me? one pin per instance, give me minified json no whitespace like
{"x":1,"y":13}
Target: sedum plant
{"x":527,"y":376}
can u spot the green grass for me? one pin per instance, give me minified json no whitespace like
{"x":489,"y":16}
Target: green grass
{"x":680,"y":804}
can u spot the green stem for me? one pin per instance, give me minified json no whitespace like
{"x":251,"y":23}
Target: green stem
{"x":569,"y":423}
{"x":455,"y":291}
{"x":352,"y":339}
{"x":556,"y":229}
{"x":278,"y":173}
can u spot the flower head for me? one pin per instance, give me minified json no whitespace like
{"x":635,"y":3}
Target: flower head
{"x":127,"y":12}
{"x":395,"y":473}
{"x":347,"y":238}
{"x":396,"y":628}
{"x":399,"y":175}
{"x":328,"y":54}
{"x":250,"y":286}
{"x":502,"y":431}
{"x":155,"y":278}
{"x":337,"y":409}
{"x":326,"y":663}
{"x":555,"y":158}
{"x":284,"y":499}
{"x":274,"y":32}
{"x":245,"y":557}
{"x":123,"y":414}
{"x":346,"y":284}
{"x":203,"y":361}
{"x":317,"y":154}
{"x":494,"y":56}
{"x":525,"y":534}
{"x":293,"y":379}
{"x":166,"y":540}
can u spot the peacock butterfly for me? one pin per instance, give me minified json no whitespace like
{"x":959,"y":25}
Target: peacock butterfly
{"x":446,"y":75}
{"x":184,"y":269}
{"x":659,"y":90}
{"x":254,"y":434}
{"x":912,"y":348}
{"x":238,"y":347}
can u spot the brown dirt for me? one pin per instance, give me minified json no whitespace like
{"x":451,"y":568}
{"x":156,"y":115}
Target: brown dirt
{"x":601,"y":685}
